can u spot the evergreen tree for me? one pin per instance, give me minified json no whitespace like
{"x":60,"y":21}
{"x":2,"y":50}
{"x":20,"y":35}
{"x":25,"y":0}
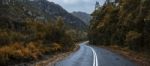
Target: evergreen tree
{"x":123,"y":25}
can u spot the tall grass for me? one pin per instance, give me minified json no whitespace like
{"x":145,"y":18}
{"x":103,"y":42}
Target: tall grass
{"x":19,"y":52}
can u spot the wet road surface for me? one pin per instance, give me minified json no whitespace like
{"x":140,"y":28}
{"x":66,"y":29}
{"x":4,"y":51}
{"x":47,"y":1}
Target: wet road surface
{"x":94,"y":56}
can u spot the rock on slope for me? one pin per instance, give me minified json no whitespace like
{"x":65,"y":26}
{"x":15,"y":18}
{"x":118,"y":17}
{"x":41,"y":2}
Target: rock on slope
{"x":39,"y":10}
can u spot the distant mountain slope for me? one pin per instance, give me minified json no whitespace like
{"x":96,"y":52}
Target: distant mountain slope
{"x":39,"y":10}
{"x":83,"y":16}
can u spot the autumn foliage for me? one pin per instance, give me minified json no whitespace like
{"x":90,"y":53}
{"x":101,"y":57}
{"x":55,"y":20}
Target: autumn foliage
{"x":28,"y":41}
{"x":125,"y":24}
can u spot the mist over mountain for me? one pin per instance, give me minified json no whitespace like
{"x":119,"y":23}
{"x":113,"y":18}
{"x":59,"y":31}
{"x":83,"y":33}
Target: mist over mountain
{"x":83,"y":16}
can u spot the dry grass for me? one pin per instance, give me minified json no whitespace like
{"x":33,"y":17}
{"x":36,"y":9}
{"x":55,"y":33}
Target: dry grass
{"x":19,"y":52}
{"x":55,"y":47}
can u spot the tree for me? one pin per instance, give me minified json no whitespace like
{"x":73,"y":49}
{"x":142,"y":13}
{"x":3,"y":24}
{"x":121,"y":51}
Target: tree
{"x":124,"y":26}
{"x":97,"y":5}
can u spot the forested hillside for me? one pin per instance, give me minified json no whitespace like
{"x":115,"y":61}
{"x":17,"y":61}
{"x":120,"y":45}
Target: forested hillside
{"x":39,"y":10}
{"x":28,"y":32}
{"x":125,"y":23}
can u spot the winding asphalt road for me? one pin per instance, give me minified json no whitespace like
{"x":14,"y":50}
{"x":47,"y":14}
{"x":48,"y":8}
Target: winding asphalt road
{"x":94,"y":56}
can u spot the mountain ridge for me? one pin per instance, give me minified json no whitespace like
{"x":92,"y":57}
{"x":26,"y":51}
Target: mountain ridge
{"x":85,"y":17}
{"x":39,"y":10}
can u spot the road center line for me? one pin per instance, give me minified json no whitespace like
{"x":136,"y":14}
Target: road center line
{"x":95,"y":60}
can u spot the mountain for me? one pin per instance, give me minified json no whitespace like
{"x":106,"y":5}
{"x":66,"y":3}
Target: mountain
{"x":38,"y":10}
{"x":33,"y":29}
{"x":83,"y":16}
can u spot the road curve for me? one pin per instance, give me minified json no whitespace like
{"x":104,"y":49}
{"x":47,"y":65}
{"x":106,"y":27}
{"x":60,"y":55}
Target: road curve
{"x":94,"y":56}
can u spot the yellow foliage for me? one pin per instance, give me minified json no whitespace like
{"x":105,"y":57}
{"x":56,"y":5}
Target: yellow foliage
{"x":18,"y":50}
{"x":55,"y":47}
{"x":132,"y":35}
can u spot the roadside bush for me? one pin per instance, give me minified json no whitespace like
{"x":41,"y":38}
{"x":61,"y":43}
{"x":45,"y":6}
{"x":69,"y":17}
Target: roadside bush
{"x":29,"y":41}
{"x":15,"y":53}
{"x":133,"y":40}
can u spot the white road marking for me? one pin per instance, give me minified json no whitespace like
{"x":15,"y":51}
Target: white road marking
{"x":95,"y":60}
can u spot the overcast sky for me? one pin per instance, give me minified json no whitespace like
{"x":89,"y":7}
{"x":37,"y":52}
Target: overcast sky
{"x":78,"y":5}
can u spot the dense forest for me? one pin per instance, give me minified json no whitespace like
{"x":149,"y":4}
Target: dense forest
{"x":27,"y":34}
{"x":27,"y":41}
{"x":125,"y":23}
